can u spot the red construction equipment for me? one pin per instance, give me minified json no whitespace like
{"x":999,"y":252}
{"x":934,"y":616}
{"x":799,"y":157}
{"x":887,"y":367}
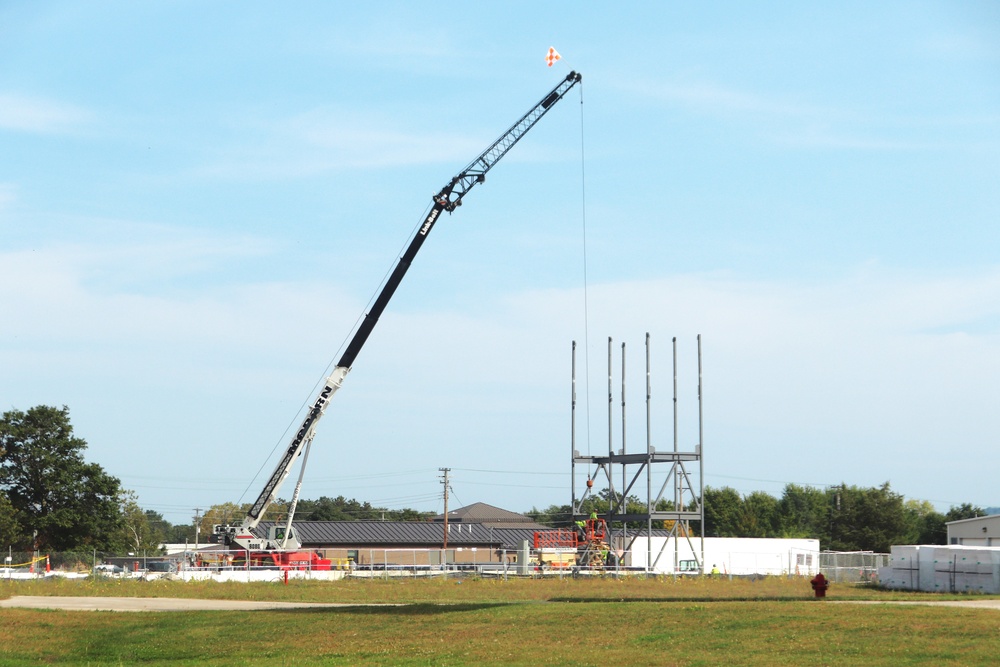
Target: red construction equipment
{"x":585,"y":545}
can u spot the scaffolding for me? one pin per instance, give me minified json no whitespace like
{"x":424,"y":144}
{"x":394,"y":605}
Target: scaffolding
{"x":673,"y":477}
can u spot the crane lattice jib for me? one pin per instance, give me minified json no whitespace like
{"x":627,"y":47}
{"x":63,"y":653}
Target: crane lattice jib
{"x":447,"y":199}
{"x":475,"y":172}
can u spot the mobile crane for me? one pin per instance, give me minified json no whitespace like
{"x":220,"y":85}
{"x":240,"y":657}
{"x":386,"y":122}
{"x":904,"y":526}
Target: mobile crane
{"x":281,"y":547}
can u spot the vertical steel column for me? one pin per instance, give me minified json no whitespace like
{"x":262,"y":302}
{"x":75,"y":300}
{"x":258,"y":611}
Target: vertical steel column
{"x":678,"y":511}
{"x":675,"y":467}
{"x":701,"y":458}
{"x":624,"y":503}
{"x":572,"y":431}
{"x":649,"y":469}
{"x":611,"y":446}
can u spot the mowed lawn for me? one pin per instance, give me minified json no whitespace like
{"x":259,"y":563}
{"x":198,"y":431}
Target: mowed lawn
{"x":570,"y":622}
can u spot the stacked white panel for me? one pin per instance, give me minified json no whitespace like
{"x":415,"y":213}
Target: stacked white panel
{"x":943,"y":569}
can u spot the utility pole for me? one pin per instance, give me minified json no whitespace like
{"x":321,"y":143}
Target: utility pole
{"x":444,"y":481}
{"x":197,"y":526}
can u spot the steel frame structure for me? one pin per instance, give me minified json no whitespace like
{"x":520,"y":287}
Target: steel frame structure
{"x":674,"y":476}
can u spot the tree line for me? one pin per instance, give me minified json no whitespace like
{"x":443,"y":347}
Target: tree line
{"x":52,"y":499}
{"x":842,"y":518}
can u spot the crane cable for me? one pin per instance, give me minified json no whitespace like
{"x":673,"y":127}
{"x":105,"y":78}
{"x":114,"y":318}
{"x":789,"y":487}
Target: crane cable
{"x":297,"y":417}
{"x":586,"y":298}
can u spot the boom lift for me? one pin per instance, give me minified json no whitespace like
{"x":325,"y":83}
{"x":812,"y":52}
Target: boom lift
{"x":281,"y":547}
{"x":585,"y":546}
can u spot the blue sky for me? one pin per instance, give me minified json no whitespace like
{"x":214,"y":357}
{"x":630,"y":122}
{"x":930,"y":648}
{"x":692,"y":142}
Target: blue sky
{"x":198,"y":200}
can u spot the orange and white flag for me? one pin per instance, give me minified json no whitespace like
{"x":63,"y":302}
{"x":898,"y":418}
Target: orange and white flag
{"x":553,"y":56}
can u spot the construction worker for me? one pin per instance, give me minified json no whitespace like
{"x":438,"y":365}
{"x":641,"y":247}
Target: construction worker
{"x":715,"y":570}
{"x":592,"y":527}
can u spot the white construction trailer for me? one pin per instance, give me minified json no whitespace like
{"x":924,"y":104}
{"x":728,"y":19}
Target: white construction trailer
{"x":737,"y":556}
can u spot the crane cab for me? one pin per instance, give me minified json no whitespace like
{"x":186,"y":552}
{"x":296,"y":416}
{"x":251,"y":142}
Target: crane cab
{"x":276,"y":538}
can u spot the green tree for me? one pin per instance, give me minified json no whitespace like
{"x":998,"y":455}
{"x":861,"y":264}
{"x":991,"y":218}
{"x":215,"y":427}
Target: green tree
{"x":926,"y":524}
{"x":222,"y":514}
{"x":964,"y":511}
{"x":758,"y":516}
{"x":138,"y":534}
{"x":556,"y":516}
{"x":408,"y":514}
{"x":723,"y":512}
{"x":161,"y":526}
{"x":71,"y":504}
{"x":177,"y":533}
{"x":606,"y":501}
{"x":337,"y":509}
{"x":170,"y":533}
{"x":803,"y":512}
{"x":10,"y":530}
{"x":867,"y":519}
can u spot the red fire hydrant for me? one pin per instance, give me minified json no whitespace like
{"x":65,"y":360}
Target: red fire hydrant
{"x":820,"y":584}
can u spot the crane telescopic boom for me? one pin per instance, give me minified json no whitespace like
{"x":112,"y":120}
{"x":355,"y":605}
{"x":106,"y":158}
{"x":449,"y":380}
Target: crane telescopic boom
{"x":447,"y":199}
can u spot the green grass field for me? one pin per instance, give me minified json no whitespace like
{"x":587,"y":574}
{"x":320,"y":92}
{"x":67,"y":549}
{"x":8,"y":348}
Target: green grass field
{"x":772,"y":621}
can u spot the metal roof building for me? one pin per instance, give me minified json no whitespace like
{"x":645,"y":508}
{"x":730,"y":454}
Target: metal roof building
{"x":488,"y":515}
{"x":404,"y":535}
{"x":476,"y":533}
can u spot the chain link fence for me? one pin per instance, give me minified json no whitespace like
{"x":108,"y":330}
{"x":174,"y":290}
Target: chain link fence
{"x":852,"y":567}
{"x":837,"y":566}
{"x":233,"y":565}
{"x":73,"y":564}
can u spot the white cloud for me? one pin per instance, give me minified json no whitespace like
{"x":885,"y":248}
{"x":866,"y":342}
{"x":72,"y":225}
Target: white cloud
{"x":964,"y":46}
{"x":352,"y":141}
{"x":876,"y":374}
{"x":152,"y":287}
{"x":786,"y":120}
{"x":328,"y":139}
{"x":40,"y":116}
{"x":707,"y":96}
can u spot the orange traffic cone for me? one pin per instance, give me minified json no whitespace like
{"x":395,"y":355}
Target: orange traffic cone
{"x":48,"y":566}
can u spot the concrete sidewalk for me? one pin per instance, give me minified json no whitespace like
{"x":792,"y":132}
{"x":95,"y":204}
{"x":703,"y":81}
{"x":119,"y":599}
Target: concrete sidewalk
{"x":967,"y":604}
